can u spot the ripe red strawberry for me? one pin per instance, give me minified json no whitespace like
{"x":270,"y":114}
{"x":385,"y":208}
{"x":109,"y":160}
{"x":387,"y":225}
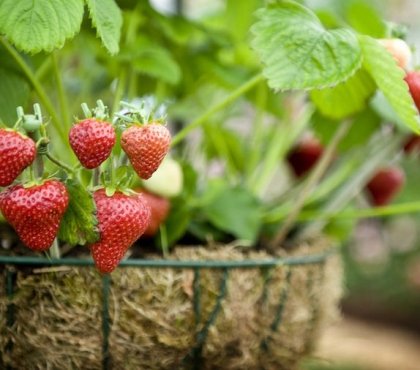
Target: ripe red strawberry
{"x":122,"y":220}
{"x":92,"y":141}
{"x":413,"y":81}
{"x":305,"y":155}
{"x":16,"y":153}
{"x":385,"y":184}
{"x":146,"y":146}
{"x":412,"y":145}
{"x":159,"y":211}
{"x":35,"y":212}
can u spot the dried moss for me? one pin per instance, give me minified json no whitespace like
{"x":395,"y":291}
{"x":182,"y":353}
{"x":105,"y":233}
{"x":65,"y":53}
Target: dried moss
{"x":58,"y":315}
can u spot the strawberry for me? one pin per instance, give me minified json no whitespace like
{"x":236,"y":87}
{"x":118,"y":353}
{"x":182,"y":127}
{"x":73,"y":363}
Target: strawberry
{"x":92,"y":141}
{"x":305,"y":155}
{"x":159,"y":211}
{"x":146,"y":146}
{"x":413,"y":81}
{"x":122,"y":220}
{"x":399,"y":50}
{"x":412,"y":145}
{"x":17,"y":152}
{"x":385,"y":184}
{"x":35,"y":212}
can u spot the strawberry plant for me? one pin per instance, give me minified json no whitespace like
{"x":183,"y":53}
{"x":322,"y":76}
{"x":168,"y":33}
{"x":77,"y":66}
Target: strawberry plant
{"x":285,"y":87}
{"x":131,"y":135}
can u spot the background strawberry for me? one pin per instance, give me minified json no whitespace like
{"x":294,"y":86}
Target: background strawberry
{"x":305,"y":155}
{"x":122,"y":220}
{"x":386,"y":183}
{"x":35,"y":212}
{"x":413,"y":81}
{"x":92,"y":141}
{"x":146,"y":146}
{"x":159,"y":211}
{"x":17,"y":152}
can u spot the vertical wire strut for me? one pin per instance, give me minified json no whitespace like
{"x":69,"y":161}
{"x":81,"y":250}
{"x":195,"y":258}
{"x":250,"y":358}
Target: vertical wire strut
{"x":106,"y":321}
{"x":280,"y":309}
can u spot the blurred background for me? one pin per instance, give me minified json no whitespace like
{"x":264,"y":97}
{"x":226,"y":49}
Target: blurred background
{"x":380,"y":329}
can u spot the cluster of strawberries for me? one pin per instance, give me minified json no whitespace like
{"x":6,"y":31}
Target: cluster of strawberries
{"x":35,"y":209}
{"x":389,"y":180}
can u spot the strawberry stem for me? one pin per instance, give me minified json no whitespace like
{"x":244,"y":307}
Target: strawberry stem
{"x":58,"y":162}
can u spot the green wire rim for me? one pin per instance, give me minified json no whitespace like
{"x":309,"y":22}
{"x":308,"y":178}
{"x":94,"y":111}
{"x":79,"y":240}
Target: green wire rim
{"x":309,"y":259}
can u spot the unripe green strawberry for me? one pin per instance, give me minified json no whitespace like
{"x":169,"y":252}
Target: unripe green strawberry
{"x":399,"y":50}
{"x":159,"y":211}
{"x":146,"y":146}
{"x":92,"y":141}
{"x":122,"y":219}
{"x":167,"y":181}
{"x":35,"y":212}
{"x":16,"y":153}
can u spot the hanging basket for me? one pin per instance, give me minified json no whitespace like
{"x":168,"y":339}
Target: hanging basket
{"x":205,"y":308}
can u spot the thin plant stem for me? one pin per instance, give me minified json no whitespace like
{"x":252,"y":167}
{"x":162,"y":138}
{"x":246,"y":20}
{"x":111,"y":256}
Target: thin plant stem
{"x":59,"y":163}
{"x":96,"y":176}
{"x":258,"y":130}
{"x":310,"y":184}
{"x":62,"y":98}
{"x":164,"y":241}
{"x":384,"y":211}
{"x":241,"y":90}
{"x":119,"y":91}
{"x":42,"y":95}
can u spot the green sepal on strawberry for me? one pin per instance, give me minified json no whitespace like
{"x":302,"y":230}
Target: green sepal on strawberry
{"x":17,"y":152}
{"x":122,"y":219}
{"x":35,"y":212}
{"x":146,"y":146}
{"x":92,"y":141}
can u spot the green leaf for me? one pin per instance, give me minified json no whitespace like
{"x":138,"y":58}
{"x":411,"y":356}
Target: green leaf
{"x":178,"y":220}
{"x":149,"y":58}
{"x":107,"y":19}
{"x":364,"y":18}
{"x":79,"y":224}
{"x":390,"y":80}
{"x":347,"y":98}
{"x":14,"y":91}
{"x":365,"y":124}
{"x":298,"y":52}
{"x":233,"y":210}
{"x":41,"y":25}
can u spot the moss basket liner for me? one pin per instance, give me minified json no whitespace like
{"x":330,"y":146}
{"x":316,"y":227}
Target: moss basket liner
{"x":258,"y":317}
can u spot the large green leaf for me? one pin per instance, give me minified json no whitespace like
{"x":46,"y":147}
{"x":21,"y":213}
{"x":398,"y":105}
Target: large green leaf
{"x":364,"y":125}
{"x":390,"y":80}
{"x":233,"y":210}
{"x":347,"y":98}
{"x":107,"y":19}
{"x":14,"y":91}
{"x":147,"y":57}
{"x":36,"y":25}
{"x":298,"y":52}
{"x":79,"y":224}
{"x":364,"y":18}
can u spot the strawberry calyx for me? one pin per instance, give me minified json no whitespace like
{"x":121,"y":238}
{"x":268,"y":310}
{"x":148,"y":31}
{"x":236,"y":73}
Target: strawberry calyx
{"x":100,"y":112}
{"x":145,"y":113}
